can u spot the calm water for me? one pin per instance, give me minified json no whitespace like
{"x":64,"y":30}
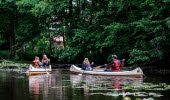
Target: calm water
{"x":61,"y":85}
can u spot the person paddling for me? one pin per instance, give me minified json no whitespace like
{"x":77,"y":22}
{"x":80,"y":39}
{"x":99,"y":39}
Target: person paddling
{"x":36,"y":62}
{"x":115,"y":64}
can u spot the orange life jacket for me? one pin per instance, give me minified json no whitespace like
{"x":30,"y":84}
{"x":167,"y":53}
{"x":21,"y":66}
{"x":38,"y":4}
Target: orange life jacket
{"x":36,"y":64}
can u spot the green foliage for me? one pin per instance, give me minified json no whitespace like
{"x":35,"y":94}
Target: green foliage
{"x":66,"y":54}
{"x":139,"y":56}
{"x":135,"y":30}
{"x":2,"y":40}
{"x":114,"y":33}
{"x":4,"y":54}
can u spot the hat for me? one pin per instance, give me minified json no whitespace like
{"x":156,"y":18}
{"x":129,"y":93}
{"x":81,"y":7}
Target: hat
{"x":114,"y":56}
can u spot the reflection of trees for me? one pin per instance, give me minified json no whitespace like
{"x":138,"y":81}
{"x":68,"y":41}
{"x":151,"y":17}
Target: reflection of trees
{"x":13,"y":86}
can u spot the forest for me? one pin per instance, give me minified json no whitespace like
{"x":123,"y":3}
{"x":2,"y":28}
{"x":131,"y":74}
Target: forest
{"x":137,"y":30}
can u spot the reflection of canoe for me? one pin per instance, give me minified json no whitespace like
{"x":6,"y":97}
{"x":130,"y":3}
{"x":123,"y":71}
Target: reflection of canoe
{"x":96,"y":83}
{"x":32,"y":70}
{"x":39,"y":83}
{"x":135,"y":72}
{"x":91,"y":79}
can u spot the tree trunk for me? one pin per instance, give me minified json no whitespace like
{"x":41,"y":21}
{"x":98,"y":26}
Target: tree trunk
{"x":13,"y":23}
{"x":70,"y":8}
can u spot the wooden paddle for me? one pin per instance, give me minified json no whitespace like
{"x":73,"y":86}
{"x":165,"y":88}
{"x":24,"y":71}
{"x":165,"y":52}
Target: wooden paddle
{"x":98,"y":66}
{"x":46,"y":71}
{"x":48,"y":65}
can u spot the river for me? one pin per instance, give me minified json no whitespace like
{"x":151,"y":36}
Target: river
{"x":61,"y":85}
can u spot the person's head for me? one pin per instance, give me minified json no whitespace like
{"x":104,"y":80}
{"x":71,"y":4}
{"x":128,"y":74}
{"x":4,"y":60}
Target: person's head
{"x":44,"y":56}
{"x":86,"y":60}
{"x":114,"y":56}
{"x":36,"y":58}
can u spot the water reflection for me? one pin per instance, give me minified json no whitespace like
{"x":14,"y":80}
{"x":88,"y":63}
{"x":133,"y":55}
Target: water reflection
{"x":100,"y":83}
{"x":118,"y":87}
{"x":39,"y":84}
{"x":47,"y":86}
{"x":61,"y":85}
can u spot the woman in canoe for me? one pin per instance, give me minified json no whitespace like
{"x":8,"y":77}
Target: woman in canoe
{"x":36,"y":62}
{"x":115,"y":64}
{"x":86,"y":65}
{"x":45,"y":61}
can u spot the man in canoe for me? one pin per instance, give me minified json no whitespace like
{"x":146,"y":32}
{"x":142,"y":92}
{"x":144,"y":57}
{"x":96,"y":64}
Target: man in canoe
{"x":115,"y":64}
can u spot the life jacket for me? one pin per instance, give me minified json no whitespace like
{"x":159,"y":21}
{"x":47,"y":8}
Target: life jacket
{"x":36,"y":63}
{"x":116,"y":65}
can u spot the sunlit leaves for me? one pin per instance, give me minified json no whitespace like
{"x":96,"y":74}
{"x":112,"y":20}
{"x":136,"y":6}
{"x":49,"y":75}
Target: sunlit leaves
{"x":168,"y":22}
{"x":112,"y":32}
{"x":166,"y":1}
{"x":42,"y":8}
{"x":139,"y":56}
{"x":66,"y":54}
{"x":25,"y":6}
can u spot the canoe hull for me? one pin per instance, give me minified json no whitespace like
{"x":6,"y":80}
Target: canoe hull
{"x":33,"y":71}
{"x":136,"y":72}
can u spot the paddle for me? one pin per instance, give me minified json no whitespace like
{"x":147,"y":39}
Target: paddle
{"x":48,"y":65}
{"x":98,"y":66}
{"x":46,"y":71}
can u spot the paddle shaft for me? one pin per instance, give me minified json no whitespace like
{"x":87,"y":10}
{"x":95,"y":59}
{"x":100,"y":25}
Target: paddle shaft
{"x":98,"y":66}
{"x":46,"y":71}
{"x":48,"y":65}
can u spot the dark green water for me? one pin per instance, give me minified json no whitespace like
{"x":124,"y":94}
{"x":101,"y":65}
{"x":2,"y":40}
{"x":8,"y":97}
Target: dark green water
{"x":61,"y":85}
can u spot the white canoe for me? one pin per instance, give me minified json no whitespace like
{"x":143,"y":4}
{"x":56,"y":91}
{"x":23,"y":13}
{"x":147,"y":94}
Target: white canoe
{"x":32,"y":70}
{"x":135,"y":72}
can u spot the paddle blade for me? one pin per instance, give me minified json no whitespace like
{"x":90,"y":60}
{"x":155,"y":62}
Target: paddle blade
{"x":97,"y":67}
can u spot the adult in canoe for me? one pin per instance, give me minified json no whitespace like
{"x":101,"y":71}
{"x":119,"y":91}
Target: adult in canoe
{"x":45,"y":61}
{"x":86,"y":65}
{"x":115,"y":64}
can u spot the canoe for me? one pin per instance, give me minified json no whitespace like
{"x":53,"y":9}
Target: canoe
{"x":32,"y":70}
{"x":136,"y":72}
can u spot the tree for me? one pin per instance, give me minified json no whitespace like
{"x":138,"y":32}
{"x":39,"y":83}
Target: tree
{"x":134,"y":30}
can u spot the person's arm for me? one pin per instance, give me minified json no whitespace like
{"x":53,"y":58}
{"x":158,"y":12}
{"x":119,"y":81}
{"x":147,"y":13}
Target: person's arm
{"x":122,"y":62}
{"x":49,"y":62}
{"x":92,"y":65}
{"x":110,"y":63}
{"x":83,"y":66}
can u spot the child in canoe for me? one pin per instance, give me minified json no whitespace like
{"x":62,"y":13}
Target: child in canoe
{"x":36,"y":62}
